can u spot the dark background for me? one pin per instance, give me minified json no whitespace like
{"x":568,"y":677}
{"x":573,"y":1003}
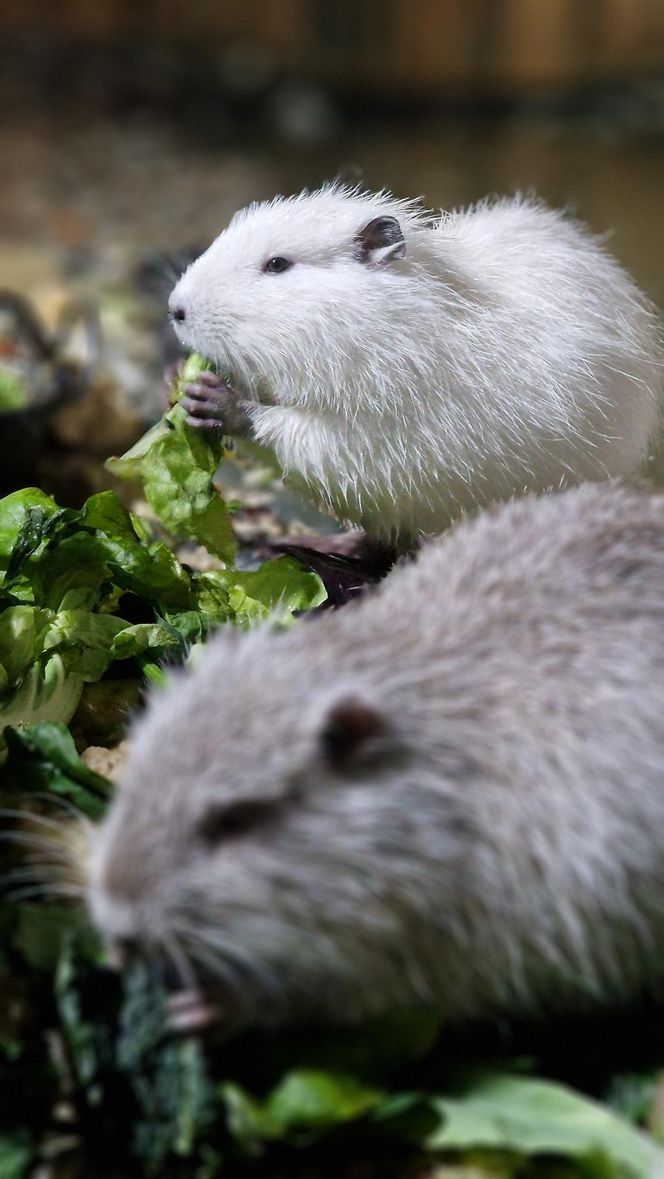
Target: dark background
{"x":145,"y":122}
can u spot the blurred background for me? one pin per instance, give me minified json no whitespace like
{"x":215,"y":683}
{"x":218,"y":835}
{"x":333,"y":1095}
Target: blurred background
{"x":132,"y":129}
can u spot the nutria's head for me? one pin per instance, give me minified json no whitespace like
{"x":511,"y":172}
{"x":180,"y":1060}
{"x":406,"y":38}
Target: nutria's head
{"x":276,"y":830}
{"x":308,"y":294}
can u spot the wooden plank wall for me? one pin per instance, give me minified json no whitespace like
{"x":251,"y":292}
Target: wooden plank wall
{"x":404,"y":46}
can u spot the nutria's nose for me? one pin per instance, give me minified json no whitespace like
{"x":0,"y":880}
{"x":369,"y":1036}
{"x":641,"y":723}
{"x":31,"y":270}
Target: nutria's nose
{"x":179,"y":314}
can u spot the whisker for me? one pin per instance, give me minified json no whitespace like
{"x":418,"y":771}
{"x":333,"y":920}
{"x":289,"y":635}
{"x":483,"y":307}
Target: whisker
{"x":24,"y":894}
{"x":45,"y":891}
{"x":196,"y":947}
{"x":67,"y":889}
{"x":24,"y":839}
{"x":46,"y":855}
{"x":30,"y":817}
{"x":61,"y":801}
{"x":32,"y":873}
{"x":213,"y":966}
{"x":228,"y":961}
{"x":181,"y":963}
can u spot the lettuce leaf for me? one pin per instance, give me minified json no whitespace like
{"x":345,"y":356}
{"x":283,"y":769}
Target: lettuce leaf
{"x":45,"y":693}
{"x":81,"y":591}
{"x":281,"y":585}
{"x":534,"y":1117}
{"x":13,"y":391}
{"x":518,"y":1119}
{"x":42,"y":758}
{"x":17,"y":1154}
{"x":177,"y":465}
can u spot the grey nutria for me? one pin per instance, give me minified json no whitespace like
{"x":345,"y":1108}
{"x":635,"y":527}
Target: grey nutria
{"x":450,"y":792}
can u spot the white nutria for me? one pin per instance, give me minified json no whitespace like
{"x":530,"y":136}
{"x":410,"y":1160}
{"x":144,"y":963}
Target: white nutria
{"x":449,"y":792}
{"x":405,"y":370}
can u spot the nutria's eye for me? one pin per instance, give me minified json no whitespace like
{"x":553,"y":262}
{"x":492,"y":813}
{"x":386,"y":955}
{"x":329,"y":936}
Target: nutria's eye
{"x":233,"y":819}
{"x":277,"y":265}
{"x":351,"y":729}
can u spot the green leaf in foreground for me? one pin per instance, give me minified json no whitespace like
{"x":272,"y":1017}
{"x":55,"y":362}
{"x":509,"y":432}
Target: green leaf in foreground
{"x":16,"y":1155}
{"x":280,"y":585}
{"x":519,"y":1118}
{"x":41,"y":931}
{"x":632,"y":1094}
{"x":177,"y":465}
{"x":43,"y":757}
{"x":316,"y":1100}
{"x":29,"y":509}
{"x":535,"y":1117}
{"x":304,"y":1104}
{"x":175,"y":1097}
{"x":13,"y":392}
{"x":69,"y":577}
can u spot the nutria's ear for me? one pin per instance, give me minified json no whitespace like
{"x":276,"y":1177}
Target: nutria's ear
{"x":380,"y":241}
{"x":352,"y":731}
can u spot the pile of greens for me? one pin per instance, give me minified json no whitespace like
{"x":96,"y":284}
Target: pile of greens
{"x":92,"y":601}
{"x":91,"y":593}
{"x":86,"y":594}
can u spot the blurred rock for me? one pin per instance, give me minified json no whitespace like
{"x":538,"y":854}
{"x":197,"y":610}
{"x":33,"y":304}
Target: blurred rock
{"x":108,"y":762}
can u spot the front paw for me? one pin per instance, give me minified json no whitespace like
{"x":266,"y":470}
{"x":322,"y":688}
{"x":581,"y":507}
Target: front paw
{"x":211,"y":403}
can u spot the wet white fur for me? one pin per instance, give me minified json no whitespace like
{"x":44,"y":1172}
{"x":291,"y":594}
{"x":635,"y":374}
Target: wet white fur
{"x":501,"y":850}
{"x":506,"y":351}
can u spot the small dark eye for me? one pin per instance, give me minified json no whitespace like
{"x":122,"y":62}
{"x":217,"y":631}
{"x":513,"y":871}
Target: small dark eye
{"x":350,"y":731}
{"x":234,"y":819}
{"x":277,"y":265}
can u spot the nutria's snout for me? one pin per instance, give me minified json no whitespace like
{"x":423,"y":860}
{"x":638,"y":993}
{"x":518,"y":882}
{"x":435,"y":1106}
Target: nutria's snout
{"x":180,"y":312}
{"x":189,"y":1009}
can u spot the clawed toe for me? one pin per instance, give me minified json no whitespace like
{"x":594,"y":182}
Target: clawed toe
{"x":211,"y":379}
{"x":212,"y":404}
{"x":196,"y":391}
{"x":202,"y":409}
{"x":203,"y":423}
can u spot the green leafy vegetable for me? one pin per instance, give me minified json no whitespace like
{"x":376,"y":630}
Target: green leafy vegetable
{"x":535,"y":1117}
{"x":66,"y":579}
{"x":633,"y":1094}
{"x":43,"y":758}
{"x":177,"y":466}
{"x":16,"y":1155}
{"x":175,"y":1097}
{"x":13,"y":393}
{"x":309,"y":1100}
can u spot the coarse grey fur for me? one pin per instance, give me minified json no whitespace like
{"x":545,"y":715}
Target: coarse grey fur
{"x":490,"y":351}
{"x":489,"y":839}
